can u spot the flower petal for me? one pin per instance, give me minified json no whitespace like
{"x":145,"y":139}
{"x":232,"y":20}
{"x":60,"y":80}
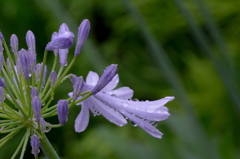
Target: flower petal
{"x":145,"y":125}
{"x":82,"y":119}
{"x":92,"y":78}
{"x":108,"y":112}
{"x":112,"y":84}
{"x":152,"y":110}
{"x":123,"y":93}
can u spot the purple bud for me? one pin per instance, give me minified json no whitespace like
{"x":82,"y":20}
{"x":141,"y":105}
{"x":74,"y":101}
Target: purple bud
{"x":35,"y":143}
{"x":63,"y":56}
{"x":106,"y":77}
{"x":24,"y":63}
{"x":83,"y":31}
{"x":30,"y":39}
{"x":77,"y":87}
{"x":14,"y":43}
{"x":34,"y":92}
{"x":42,"y":125}
{"x":53,"y":78}
{"x":62,"y":110}
{"x":36,"y":105}
{"x":1,"y":36}
{"x":32,"y":59}
{"x":38,"y":71}
{"x":62,"y":40}
{"x":2,"y":84}
{"x":1,"y":95}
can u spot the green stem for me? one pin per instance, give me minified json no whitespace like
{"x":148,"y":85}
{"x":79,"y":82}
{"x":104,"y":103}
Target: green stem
{"x":47,"y":148}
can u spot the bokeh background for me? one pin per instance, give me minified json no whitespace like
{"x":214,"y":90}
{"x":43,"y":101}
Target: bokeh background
{"x":188,"y":49}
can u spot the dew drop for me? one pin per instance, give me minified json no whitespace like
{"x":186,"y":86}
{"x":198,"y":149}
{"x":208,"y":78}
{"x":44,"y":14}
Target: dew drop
{"x":133,"y":124}
{"x":125,"y":104}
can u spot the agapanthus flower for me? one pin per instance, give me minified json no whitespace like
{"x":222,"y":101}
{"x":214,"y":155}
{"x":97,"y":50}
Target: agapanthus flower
{"x":27,"y":92}
{"x":117,"y":106}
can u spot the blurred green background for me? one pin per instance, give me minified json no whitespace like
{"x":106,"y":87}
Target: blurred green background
{"x":187,"y":49}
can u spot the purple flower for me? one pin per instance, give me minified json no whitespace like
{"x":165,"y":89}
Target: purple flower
{"x":62,"y":40}
{"x":36,"y":105}
{"x":31,"y":42}
{"x":62,"y":110}
{"x":116,"y":106}
{"x":83,"y":31}
{"x":106,"y":77}
{"x":14,"y":43}
{"x":35,"y":144}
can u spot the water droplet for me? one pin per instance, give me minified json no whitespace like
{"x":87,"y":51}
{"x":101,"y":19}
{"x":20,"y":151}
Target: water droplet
{"x":125,"y":104}
{"x":133,"y":124}
{"x":113,"y":95}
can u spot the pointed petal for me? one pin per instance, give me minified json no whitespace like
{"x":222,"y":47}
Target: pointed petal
{"x":123,"y":93}
{"x":145,"y":125}
{"x":92,"y":78}
{"x":108,"y":112}
{"x":152,"y":110}
{"x":111,"y":85}
{"x":82,"y":120}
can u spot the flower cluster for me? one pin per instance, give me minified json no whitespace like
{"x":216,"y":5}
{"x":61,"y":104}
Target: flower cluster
{"x":27,"y":90}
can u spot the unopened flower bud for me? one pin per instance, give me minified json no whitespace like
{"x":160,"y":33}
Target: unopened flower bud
{"x":62,"y":110}
{"x":36,"y":105}
{"x":30,"y":39}
{"x":34,"y":92}
{"x":53,"y":78}
{"x":2,"y":84}
{"x":35,"y":144}
{"x":83,"y":31}
{"x":14,"y":43}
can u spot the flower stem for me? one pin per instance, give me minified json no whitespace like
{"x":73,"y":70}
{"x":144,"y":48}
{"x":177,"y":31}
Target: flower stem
{"x":47,"y":148}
